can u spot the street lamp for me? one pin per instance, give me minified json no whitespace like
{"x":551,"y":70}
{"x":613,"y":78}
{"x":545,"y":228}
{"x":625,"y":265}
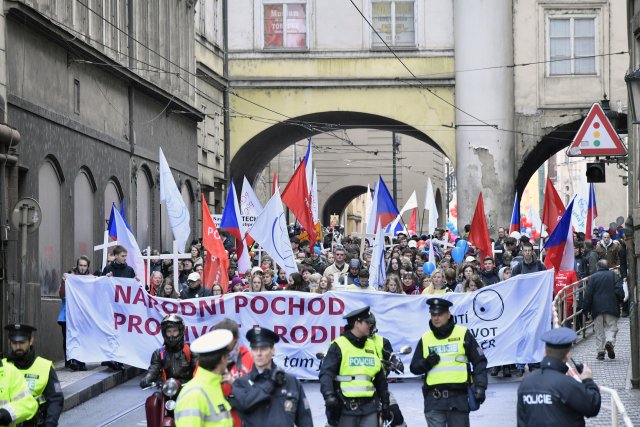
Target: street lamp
{"x":632,"y":79}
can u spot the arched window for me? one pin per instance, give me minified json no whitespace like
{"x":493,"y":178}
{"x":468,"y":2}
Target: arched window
{"x":83,"y":199}
{"x":49,"y":246}
{"x":111,"y":195}
{"x":143,"y":212}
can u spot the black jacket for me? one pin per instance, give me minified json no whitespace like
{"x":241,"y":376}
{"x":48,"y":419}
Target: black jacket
{"x":51,"y":410}
{"x":489,"y":277}
{"x":330,"y":368}
{"x":260,"y":402}
{"x":119,"y":270}
{"x":548,"y":397}
{"x":604,"y":293}
{"x":199,"y":292}
{"x":175,"y":365}
{"x":524,"y":268}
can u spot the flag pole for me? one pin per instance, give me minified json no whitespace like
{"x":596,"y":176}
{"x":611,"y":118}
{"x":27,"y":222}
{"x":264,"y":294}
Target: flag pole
{"x":422,"y":222}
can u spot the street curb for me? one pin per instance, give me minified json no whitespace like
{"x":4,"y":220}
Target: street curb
{"x":87,"y":388}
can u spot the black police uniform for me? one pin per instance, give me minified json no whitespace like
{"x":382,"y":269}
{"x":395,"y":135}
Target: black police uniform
{"x":451,"y":398}
{"x":49,"y":412}
{"x":549,"y":397}
{"x":351,"y":411}
{"x":271,"y":397}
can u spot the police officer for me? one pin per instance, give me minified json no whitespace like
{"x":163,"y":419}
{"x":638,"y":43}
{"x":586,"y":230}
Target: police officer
{"x":352,"y":380}
{"x":549,"y":396}
{"x":445,"y":355}
{"x":268,"y":396}
{"x":173,"y":359}
{"x":201,"y":402}
{"x":41,"y":378}
{"x":390,"y":363}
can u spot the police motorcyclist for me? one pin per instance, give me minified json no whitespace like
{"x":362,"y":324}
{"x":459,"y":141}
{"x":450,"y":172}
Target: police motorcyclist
{"x":352,"y":380}
{"x":173,"y":359}
{"x":550,"y":397}
{"x":445,"y":355}
{"x":390,"y":363}
{"x":41,"y":377}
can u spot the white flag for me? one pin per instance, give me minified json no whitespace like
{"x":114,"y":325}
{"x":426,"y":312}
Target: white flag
{"x":432,"y":257}
{"x":127,"y":241}
{"x":412,"y":203}
{"x":177,"y":211}
{"x":249,"y":203}
{"x":580,"y":208}
{"x":270,"y":231}
{"x":373,"y":213}
{"x":314,"y":198}
{"x":430,"y":205}
{"x":377,"y":273}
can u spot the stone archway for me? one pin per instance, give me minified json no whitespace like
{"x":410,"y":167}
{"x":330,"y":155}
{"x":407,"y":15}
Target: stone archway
{"x":339,"y":200}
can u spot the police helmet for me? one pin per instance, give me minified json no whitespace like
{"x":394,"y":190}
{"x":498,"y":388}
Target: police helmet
{"x":173,"y":321}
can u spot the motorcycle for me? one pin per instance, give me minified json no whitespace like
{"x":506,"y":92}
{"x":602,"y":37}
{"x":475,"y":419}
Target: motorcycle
{"x":160,"y":405}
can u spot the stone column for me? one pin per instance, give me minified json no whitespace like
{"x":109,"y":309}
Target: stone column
{"x":484,"y":155}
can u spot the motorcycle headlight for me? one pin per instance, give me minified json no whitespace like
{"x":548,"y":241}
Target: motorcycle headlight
{"x":170,"y":387}
{"x":170,"y":405}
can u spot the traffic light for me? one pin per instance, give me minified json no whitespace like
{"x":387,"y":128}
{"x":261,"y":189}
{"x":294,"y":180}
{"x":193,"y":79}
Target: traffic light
{"x":595,"y":172}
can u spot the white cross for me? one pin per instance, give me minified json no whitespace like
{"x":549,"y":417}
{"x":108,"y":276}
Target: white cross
{"x":443,"y":243}
{"x":104,"y":247}
{"x":257,"y":248}
{"x":176,"y":256}
{"x":493,"y":249}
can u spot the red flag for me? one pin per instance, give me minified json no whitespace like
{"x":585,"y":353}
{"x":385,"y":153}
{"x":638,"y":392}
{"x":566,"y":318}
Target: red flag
{"x":296,"y":197}
{"x":216,"y":267}
{"x":479,"y":234}
{"x":412,"y":221}
{"x":275,"y":183}
{"x":553,"y":207}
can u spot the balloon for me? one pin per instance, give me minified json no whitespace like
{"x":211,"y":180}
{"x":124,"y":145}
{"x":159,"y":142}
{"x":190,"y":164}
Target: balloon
{"x":523,"y":219}
{"x":463,"y":244}
{"x":528,"y":224}
{"x":457,"y":254}
{"x":620,"y":220}
{"x":428,"y":267}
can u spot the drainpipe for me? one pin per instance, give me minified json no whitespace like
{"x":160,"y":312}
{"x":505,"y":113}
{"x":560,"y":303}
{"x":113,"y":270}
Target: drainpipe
{"x":225,"y":100}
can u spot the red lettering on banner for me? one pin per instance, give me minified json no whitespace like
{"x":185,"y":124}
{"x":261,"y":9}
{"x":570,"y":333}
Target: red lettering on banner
{"x":241,"y":302}
{"x":187,"y":308}
{"x":294,"y":333}
{"x":281,"y":331}
{"x":149,"y":323}
{"x":274,"y":308}
{"x":336,"y":306}
{"x":293,"y":305}
{"x":170,"y":307}
{"x":262,"y":301}
{"x":124,"y":293}
{"x":315,"y":330}
{"x":140,"y":294}
{"x":320,"y":303}
{"x":118,"y":320}
{"x":210,"y":306}
{"x":134,"y":323}
{"x":153,"y":303}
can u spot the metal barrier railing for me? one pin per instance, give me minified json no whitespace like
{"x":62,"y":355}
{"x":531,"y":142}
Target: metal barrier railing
{"x":567,"y":311}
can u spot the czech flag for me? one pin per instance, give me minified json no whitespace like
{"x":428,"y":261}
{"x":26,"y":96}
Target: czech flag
{"x":515,"y":218}
{"x":113,"y":230}
{"x":231,"y":223}
{"x":592,"y":212}
{"x":297,"y":198}
{"x":560,"y":244}
{"x":385,"y":208}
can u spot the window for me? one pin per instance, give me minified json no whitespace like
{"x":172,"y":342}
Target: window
{"x":49,"y":232}
{"x":285,"y":26}
{"x":82,"y":216}
{"x":572,"y":46}
{"x":143,"y":212}
{"x":395,"y":22}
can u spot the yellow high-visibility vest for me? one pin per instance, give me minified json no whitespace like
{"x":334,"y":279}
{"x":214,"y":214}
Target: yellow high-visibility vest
{"x":358,"y":368}
{"x":452,"y":368}
{"x":15,"y":397}
{"x":201,"y":402}
{"x":37,"y":377}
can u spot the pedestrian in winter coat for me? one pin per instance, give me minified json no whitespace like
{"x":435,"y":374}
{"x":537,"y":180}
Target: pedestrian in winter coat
{"x":609,"y":249}
{"x":489,"y":275}
{"x":119,"y":267}
{"x":529,"y":263}
{"x":602,"y":299}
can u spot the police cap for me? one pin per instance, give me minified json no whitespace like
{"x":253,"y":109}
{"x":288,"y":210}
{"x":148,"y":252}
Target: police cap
{"x":363,"y":313}
{"x":559,"y":337}
{"x":19,"y":332}
{"x":438,"y":305}
{"x":211,"y":342}
{"x":261,"y":337}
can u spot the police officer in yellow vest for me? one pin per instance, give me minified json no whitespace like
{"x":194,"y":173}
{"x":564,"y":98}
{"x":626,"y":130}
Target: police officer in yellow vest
{"x":352,"y":380}
{"x":39,"y":373}
{"x":446,"y":355}
{"x":201,"y":402}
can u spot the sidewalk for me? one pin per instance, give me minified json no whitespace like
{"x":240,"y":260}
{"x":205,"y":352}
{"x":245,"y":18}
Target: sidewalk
{"x":611,"y":373}
{"x":80,"y":386}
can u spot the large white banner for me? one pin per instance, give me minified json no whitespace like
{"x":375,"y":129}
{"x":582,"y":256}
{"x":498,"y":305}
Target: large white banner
{"x":115,"y":319}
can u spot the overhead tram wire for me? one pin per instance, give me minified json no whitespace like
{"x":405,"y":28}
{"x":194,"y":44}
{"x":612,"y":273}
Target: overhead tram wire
{"x":420,"y":84}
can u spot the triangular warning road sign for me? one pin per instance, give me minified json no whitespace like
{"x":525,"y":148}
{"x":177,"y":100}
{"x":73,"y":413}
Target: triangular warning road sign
{"x":596,"y":137}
